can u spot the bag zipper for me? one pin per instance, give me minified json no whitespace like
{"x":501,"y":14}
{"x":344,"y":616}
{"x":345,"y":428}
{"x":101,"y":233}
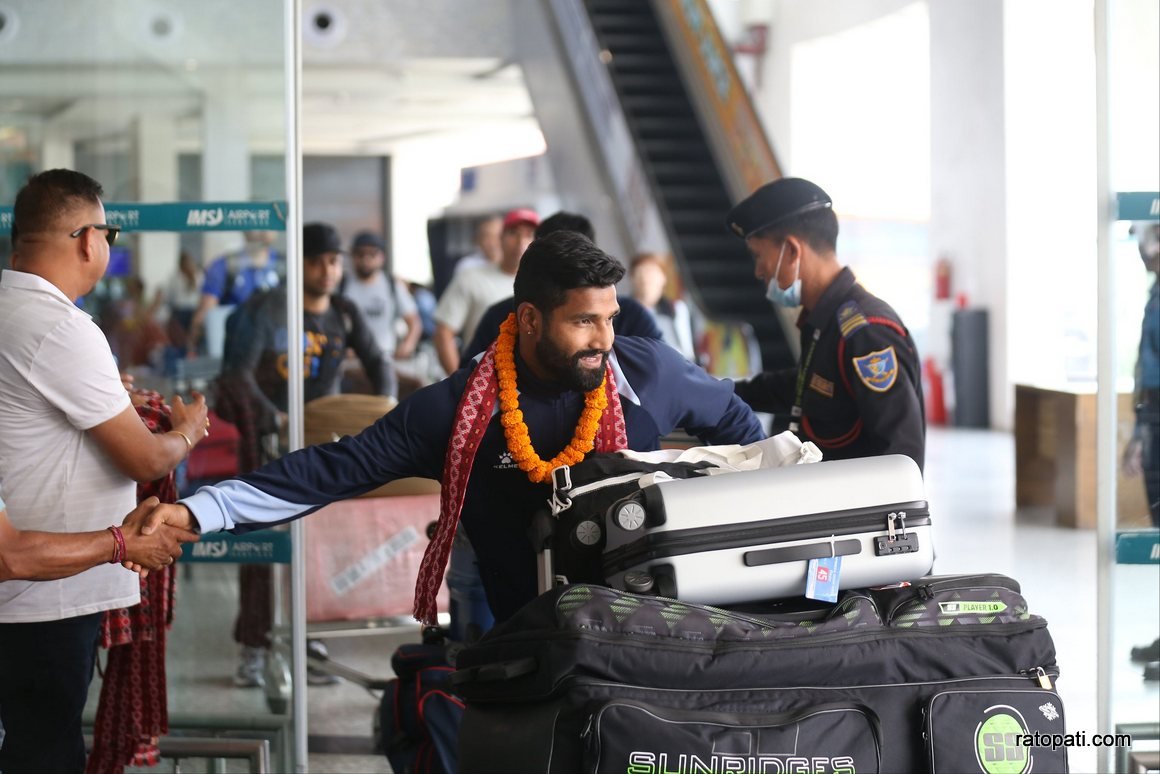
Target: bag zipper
{"x":924,"y":592}
{"x":1022,"y":675}
{"x":719,"y":537}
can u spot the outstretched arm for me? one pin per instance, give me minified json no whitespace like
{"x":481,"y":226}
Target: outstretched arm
{"x":38,"y":556}
{"x":410,"y":440}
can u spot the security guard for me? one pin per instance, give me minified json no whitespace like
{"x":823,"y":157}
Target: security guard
{"x":857,"y":391}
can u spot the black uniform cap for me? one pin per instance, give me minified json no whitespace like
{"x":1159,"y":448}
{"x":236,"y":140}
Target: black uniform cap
{"x":775,"y":202}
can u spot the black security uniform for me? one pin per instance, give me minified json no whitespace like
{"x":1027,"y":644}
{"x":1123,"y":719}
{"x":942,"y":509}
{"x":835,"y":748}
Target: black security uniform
{"x":859,"y":379}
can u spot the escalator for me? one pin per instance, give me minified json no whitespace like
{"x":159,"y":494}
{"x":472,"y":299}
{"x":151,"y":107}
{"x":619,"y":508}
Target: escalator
{"x":690,"y":189}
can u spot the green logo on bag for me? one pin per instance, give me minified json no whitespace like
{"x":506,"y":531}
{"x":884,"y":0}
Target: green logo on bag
{"x":970,"y":608}
{"x":997,"y":742}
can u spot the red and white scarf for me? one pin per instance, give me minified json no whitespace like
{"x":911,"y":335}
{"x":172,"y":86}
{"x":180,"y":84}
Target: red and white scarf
{"x":471,"y":420}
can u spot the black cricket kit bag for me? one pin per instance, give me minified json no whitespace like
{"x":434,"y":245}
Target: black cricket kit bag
{"x":417,"y":722}
{"x":746,"y":536}
{"x":950,"y":674}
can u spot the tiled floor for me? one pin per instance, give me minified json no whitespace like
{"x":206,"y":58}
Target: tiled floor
{"x":970,"y":483}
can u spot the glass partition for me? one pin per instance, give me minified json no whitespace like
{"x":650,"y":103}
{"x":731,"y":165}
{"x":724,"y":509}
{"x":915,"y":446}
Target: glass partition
{"x":1133,"y":104}
{"x":181,"y":113}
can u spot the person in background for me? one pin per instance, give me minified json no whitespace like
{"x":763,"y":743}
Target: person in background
{"x":41,"y":556}
{"x":473,"y":290}
{"x":633,"y":319}
{"x":857,"y":391}
{"x":1142,"y":454}
{"x":253,"y":392}
{"x":648,"y":273}
{"x":234,"y":277}
{"x":384,"y":301}
{"x":72,"y":448}
{"x":177,"y":301}
{"x":488,"y":231}
{"x":134,"y":334}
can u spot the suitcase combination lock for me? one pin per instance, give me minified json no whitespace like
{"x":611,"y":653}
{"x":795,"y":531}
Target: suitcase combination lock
{"x":897,"y":541}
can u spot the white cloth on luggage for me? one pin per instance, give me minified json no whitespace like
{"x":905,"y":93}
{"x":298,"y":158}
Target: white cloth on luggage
{"x":779,"y":451}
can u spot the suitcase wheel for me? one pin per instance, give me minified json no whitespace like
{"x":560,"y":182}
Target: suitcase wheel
{"x":628,"y":515}
{"x":587,"y":534}
{"x":639,"y":582}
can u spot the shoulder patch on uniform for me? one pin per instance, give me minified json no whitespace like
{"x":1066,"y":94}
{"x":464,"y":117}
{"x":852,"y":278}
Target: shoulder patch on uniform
{"x":878,"y":370}
{"x":851,"y":318}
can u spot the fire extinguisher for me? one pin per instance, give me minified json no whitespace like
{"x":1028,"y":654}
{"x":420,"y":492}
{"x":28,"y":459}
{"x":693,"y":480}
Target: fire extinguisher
{"x":942,"y":278}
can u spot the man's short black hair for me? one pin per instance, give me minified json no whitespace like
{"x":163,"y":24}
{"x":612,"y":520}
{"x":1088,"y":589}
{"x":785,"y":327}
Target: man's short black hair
{"x":49,"y":197}
{"x":818,"y":228}
{"x":566,"y":221}
{"x":562,"y":261}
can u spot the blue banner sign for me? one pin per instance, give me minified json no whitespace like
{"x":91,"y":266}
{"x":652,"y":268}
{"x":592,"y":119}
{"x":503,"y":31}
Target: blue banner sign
{"x":1137,"y":205}
{"x":265,"y":547}
{"x":1138,"y":547}
{"x":186,"y":216}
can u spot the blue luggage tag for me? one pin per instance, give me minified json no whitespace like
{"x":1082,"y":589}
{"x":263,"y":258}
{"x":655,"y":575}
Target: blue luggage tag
{"x":822,"y":578}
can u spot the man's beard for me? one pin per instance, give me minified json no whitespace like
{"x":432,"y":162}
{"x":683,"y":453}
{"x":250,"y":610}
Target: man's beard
{"x":364,"y":272}
{"x":566,"y":368}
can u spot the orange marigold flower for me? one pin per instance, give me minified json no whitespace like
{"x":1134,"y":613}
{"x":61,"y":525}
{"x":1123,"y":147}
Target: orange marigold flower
{"x":519,"y":442}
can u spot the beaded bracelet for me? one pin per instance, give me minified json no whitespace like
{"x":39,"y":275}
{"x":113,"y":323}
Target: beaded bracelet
{"x":118,"y":547}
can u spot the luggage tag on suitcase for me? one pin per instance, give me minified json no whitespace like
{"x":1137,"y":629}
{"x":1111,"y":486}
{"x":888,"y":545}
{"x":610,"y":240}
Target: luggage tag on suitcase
{"x":823,"y":575}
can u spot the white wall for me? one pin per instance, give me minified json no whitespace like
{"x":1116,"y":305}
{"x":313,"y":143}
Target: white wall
{"x":1009,"y":153}
{"x":968,"y":157}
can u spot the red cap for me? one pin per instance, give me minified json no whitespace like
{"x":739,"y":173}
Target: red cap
{"x":519,"y":217}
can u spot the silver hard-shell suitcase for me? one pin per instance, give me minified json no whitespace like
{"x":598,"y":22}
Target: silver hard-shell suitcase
{"x":748,"y":536}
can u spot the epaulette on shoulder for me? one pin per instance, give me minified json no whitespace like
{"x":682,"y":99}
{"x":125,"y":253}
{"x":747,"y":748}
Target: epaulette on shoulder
{"x":851,"y":318}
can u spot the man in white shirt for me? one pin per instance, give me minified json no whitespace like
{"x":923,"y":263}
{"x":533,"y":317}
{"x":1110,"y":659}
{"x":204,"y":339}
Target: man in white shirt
{"x":473,"y":290}
{"x":383,"y":300}
{"x":487,"y":249}
{"x":71,"y":448}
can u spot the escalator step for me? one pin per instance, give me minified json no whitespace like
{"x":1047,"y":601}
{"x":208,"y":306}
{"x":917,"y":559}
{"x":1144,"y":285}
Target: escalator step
{"x":630,"y":83}
{"x":666,"y":128}
{"x":678,"y":150}
{"x":641,"y":63}
{"x":686,"y":197}
{"x":698,"y":221}
{"x":680,"y":172}
{"x":633,"y":43}
{"x":658,"y":105}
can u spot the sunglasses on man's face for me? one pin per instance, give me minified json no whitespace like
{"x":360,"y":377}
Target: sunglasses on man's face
{"x":110,"y":231}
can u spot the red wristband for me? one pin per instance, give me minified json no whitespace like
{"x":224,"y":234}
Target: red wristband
{"x":119,"y":547}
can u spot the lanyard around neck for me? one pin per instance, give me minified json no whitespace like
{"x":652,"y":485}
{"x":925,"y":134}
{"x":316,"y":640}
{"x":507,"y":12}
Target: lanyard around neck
{"x":803,"y":369}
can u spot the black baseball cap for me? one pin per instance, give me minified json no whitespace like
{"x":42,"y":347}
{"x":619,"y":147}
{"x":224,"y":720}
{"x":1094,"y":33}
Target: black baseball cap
{"x":319,"y":238}
{"x":368,"y":239}
{"x":774,"y":203}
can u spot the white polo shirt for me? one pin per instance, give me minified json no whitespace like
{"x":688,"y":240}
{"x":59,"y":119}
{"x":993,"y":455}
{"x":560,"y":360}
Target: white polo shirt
{"x":469,"y":296}
{"x":58,"y":378}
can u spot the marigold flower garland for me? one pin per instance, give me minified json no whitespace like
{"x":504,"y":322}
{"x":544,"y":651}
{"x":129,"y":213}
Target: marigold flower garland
{"x":519,"y":443}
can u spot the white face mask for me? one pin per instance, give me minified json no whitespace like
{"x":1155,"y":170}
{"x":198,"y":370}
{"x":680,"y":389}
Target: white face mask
{"x":791,"y":296}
